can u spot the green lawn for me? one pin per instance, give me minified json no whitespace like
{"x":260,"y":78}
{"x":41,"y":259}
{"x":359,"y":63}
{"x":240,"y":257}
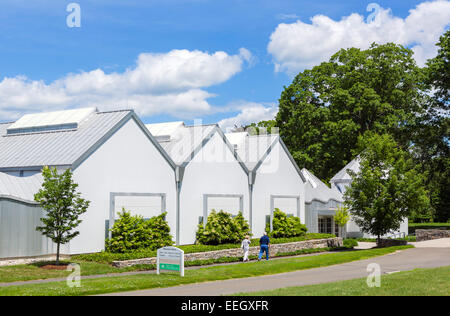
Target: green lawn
{"x":33,"y":272}
{"x":420,"y":282}
{"x":99,"y":263}
{"x":243,"y":270}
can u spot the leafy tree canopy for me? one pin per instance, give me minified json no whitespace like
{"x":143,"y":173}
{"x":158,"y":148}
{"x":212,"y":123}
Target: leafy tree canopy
{"x":325,"y":109}
{"x":63,"y":206}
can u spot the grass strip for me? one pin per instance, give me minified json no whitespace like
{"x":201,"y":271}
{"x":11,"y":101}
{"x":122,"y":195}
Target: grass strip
{"x":34,"y":272}
{"x":419,"y":282}
{"x":215,"y":273}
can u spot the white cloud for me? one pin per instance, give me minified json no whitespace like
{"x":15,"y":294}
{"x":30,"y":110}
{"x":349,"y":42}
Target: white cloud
{"x":171,"y":83}
{"x":300,"y":45}
{"x":249,"y":112}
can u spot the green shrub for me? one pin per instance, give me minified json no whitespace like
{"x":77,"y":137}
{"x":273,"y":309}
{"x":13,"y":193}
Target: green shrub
{"x":285,"y":227}
{"x":222,"y":228}
{"x":133,"y":233}
{"x":159,"y":232}
{"x":350,"y":243}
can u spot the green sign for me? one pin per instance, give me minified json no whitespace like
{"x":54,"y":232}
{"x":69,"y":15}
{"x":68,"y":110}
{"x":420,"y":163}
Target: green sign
{"x":168,"y":266}
{"x":170,"y":259}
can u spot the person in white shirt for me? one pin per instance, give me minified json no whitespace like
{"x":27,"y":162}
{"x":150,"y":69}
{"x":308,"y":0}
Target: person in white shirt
{"x":246,"y":247}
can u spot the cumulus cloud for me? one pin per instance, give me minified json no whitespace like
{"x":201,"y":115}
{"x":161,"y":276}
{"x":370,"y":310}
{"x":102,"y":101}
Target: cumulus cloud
{"x":249,"y":112}
{"x":171,"y":83}
{"x":301,"y":45}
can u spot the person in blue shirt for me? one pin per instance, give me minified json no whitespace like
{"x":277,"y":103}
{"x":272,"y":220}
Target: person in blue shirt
{"x":264,"y":243}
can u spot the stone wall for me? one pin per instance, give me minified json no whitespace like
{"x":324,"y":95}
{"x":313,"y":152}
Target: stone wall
{"x":237,"y":252}
{"x":392,"y":242}
{"x":429,"y":234}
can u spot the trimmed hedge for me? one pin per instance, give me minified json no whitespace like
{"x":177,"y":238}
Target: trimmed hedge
{"x":108,"y":257}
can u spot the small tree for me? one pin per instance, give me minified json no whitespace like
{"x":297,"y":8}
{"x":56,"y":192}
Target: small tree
{"x":341,"y":219}
{"x":387,"y":188}
{"x":63,"y":206}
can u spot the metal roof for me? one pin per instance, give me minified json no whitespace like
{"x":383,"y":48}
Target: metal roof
{"x":56,"y":148}
{"x":185,"y":141}
{"x":164,"y":129}
{"x":343,"y":176}
{"x":252,"y":149}
{"x":20,"y":188}
{"x":316,"y":190}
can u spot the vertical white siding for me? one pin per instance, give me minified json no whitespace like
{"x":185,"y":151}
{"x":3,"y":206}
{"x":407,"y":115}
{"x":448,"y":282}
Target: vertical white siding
{"x":277,"y":176}
{"x":214,"y":170}
{"x":129,"y":163}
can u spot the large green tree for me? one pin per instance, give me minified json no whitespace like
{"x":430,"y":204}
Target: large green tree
{"x":388,"y":187}
{"x":63,"y":205}
{"x":431,"y":137}
{"x":326,"y":108}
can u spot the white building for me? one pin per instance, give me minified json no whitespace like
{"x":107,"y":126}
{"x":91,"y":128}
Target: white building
{"x":274,"y":179}
{"x":321,"y":205}
{"x":115,"y":160}
{"x":341,"y":181}
{"x":209,"y":175}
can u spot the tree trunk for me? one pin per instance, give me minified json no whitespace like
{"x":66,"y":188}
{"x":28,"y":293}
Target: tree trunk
{"x":57,"y":254}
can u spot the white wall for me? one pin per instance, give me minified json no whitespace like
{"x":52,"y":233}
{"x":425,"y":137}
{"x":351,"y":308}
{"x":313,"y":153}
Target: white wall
{"x":276,"y":176}
{"x":214,"y":170}
{"x":127,"y":162}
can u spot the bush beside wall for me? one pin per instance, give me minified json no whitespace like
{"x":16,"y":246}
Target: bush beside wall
{"x":285,"y":227}
{"x":222,"y":228}
{"x":133,"y":233}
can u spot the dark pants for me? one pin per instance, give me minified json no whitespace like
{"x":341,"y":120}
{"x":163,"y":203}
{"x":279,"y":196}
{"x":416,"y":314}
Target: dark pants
{"x":264,"y":248}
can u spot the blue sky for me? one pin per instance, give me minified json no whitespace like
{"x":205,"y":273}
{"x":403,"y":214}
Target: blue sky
{"x":45,"y":65}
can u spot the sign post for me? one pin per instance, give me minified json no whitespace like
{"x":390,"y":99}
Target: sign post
{"x":170,"y":259}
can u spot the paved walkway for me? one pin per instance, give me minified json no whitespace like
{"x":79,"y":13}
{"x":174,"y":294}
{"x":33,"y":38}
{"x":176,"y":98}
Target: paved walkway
{"x":436,"y":243}
{"x":400,"y":261}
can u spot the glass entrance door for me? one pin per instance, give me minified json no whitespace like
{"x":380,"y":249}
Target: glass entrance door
{"x":325,"y":225}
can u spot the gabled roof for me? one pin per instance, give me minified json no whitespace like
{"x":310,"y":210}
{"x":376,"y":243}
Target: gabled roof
{"x":66,"y":147}
{"x":316,"y":190}
{"x":343,"y":176}
{"x":253,"y":149}
{"x":164,"y":129}
{"x":20,"y":188}
{"x":56,"y":148}
{"x":184,"y":142}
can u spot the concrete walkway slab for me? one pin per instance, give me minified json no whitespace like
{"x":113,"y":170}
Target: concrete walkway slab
{"x":435,"y":243}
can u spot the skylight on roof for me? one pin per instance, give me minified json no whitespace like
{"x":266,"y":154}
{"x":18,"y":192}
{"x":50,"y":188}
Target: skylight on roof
{"x":50,"y":121}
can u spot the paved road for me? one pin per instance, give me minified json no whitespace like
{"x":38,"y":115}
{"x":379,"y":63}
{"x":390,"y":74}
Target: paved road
{"x":400,"y":261}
